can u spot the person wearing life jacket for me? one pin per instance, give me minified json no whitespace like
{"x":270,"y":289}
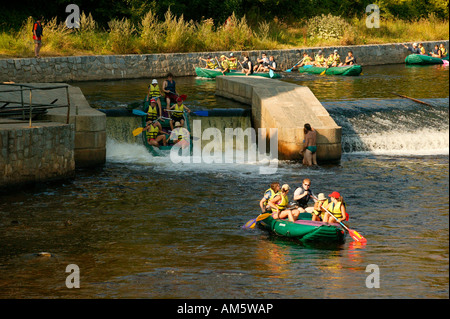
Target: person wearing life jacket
{"x":337,"y":207}
{"x":247,"y":66}
{"x":210,"y":62}
{"x":302,"y":195}
{"x":224,"y":65}
{"x":336,"y":59}
{"x":177,"y":111}
{"x":155,"y":133}
{"x":280,"y":203}
{"x":232,"y":62}
{"x":319,"y":59}
{"x":37,"y":36}
{"x":153,"y":111}
{"x":422,"y":49}
{"x":269,"y":194}
{"x":154,"y":93}
{"x":272,"y":65}
{"x":307,"y":60}
{"x":179,"y":136}
{"x":349,"y":59}
{"x":436,"y":52}
{"x":169,"y":89}
{"x":262,"y":63}
{"x":443,"y":50}
{"x":414,"y":49}
{"x":319,"y":211}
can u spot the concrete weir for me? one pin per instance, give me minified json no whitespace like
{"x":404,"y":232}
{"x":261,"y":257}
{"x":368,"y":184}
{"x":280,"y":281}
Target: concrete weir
{"x":56,"y":142}
{"x":286,"y":106}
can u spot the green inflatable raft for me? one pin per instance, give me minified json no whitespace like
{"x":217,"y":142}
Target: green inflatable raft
{"x":424,"y":59}
{"x":349,"y":70}
{"x":304,"y":230}
{"x":212,"y":73}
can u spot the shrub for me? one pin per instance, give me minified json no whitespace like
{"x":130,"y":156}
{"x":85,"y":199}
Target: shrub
{"x":326,"y":27}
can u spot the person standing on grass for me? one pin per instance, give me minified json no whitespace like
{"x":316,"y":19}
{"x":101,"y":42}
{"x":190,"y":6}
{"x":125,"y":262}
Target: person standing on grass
{"x":37,"y":36}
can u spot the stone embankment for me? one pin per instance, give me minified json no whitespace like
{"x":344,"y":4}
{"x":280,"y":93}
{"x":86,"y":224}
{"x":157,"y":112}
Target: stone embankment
{"x":114,"y":67}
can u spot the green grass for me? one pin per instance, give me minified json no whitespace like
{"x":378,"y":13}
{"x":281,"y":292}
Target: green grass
{"x":175,"y":34}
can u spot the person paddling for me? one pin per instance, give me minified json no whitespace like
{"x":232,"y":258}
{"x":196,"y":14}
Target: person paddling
{"x":279,"y":205}
{"x":170,"y":90}
{"x":337,"y":208}
{"x":269,"y":194}
{"x":177,"y":112}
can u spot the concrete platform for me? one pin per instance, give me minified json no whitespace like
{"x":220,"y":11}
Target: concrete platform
{"x":286,"y":106}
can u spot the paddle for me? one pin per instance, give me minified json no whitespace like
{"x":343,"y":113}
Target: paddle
{"x":139,"y":112}
{"x":353,"y":233}
{"x":271,"y":73}
{"x":290,"y":70}
{"x":137,"y":131}
{"x":415,"y":100}
{"x":251,"y":223}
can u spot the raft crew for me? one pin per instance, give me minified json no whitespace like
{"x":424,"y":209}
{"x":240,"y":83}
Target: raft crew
{"x":177,"y":112}
{"x":210,"y":62}
{"x":232,"y":62}
{"x":247,"y":66}
{"x":349,"y":59}
{"x":153,"y":111}
{"x":262,"y":63}
{"x":306,"y":60}
{"x":319,"y":59}
{"x":225,"y":66}
{"x":337,"y":208}
{"x":444,"y":52}
{"x":280,"y":203}
{"x":153,"y":132}
{"x":422,"y":49}
{"x":269,"y":194}
{"x":169,"y":88}
{"x":436,"y":52}
{"x":179,"y":135}
{"x":302,"y":195}
{"x":319,"y":210}
{"x":272,"y":65}
{"x":154,"y":93}
{"x":414,"y":49}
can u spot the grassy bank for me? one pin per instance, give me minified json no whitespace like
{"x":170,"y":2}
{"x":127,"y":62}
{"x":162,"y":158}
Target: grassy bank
{"x":174,"y":34}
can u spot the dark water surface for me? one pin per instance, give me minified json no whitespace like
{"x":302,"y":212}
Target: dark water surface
{"x":142,"y":227}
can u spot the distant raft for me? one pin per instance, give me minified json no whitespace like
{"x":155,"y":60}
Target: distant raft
{"x":348,"y":70}
{"x":424,"y":59}
{"x":212,"y":73}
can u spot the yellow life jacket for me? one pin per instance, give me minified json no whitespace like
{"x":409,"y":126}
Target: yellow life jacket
{"x":178,"y":110}
{"x":307,"y":59}
{"x":443,"y":52}
{"x":319,"y":212}
{"x":153,"y":91}
{"x":225,"y":64}
{"x":152,"y":112}
{"x":179,"y":132}
{"x":272,"y":195}
{"x":336,"y":209}
{"x":330,"y":60}
{"x":152,"y":132}
{"x":232,"y":64}
{"x":337,"y":58}
{"x":211,"y":64}
{"x":422,"y":50}
{"x":320,"y":59}
{"x":284,"y":201}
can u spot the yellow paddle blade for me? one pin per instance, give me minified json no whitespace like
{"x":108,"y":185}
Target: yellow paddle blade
{"x":263,"y":216}
{"x":138,"y":131}
{"x":323,"y":72}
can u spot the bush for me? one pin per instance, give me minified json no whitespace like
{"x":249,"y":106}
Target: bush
{"x":326,"y":27}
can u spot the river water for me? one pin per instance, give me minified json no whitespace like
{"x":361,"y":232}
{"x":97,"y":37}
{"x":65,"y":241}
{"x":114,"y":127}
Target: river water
{"x":143,"y":227}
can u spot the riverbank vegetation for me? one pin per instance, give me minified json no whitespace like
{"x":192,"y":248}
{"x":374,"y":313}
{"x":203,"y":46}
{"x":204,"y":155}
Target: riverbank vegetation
{"x":174,"y":33}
